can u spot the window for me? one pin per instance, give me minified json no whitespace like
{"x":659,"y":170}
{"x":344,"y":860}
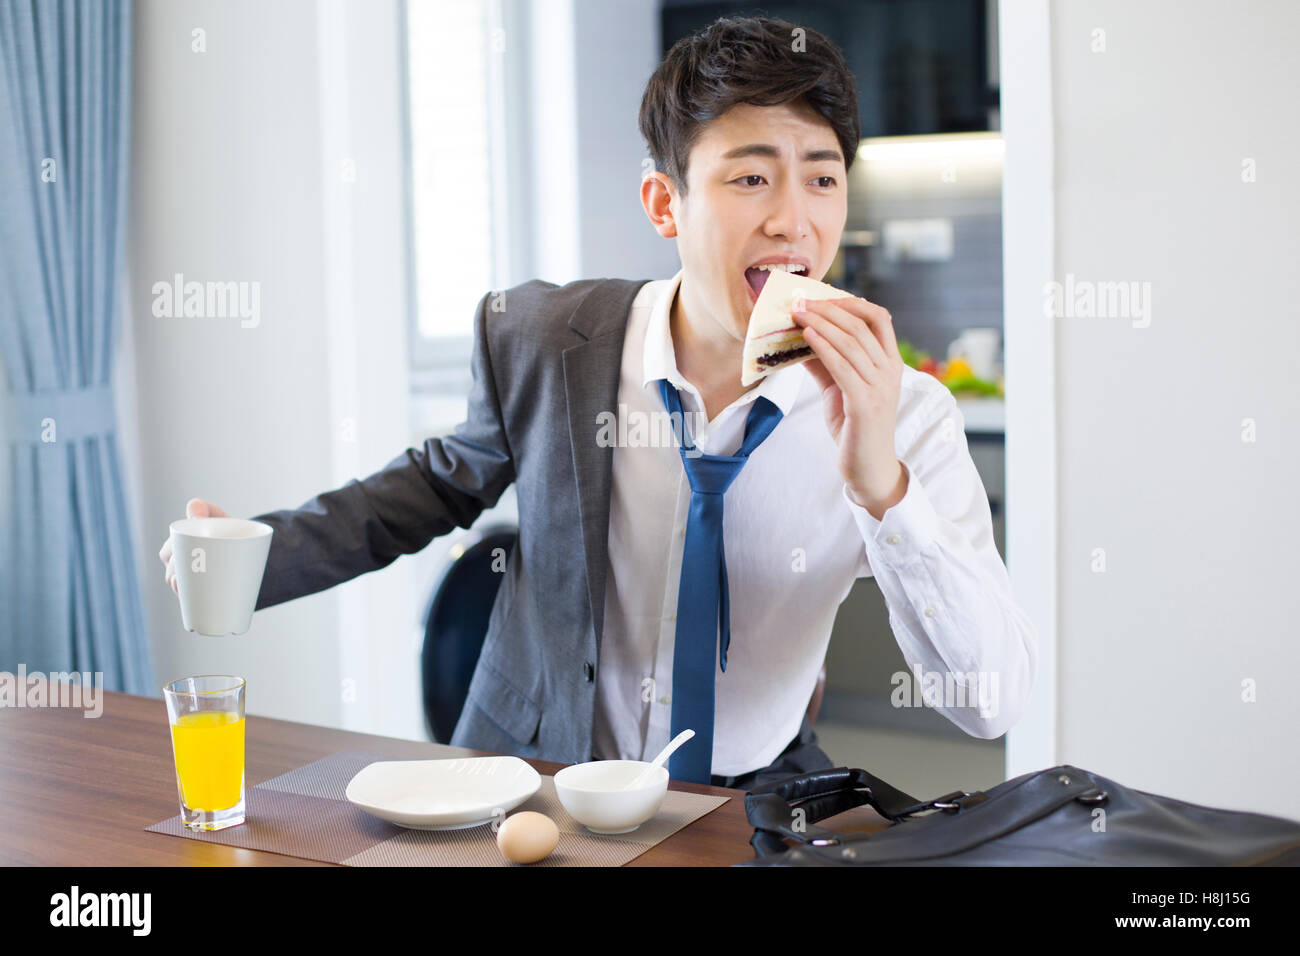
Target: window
{"x":456,"y":236}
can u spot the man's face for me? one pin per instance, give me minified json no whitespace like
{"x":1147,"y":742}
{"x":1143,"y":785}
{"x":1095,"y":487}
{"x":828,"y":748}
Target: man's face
{"x":764,"y":181}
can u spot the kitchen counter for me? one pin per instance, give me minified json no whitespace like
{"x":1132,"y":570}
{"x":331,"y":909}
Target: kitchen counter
{"x":983,"y":415}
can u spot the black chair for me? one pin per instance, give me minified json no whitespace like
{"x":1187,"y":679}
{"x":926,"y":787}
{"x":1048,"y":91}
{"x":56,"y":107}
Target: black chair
{"x":456,"y":624}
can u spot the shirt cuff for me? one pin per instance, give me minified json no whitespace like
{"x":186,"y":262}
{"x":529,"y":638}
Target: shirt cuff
{"x":907,"y":529}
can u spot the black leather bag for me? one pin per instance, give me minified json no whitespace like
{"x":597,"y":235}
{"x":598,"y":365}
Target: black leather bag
{"x":1044,"y":818}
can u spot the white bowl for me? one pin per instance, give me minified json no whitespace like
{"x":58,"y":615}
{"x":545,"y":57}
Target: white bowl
{"x":591,"y":793}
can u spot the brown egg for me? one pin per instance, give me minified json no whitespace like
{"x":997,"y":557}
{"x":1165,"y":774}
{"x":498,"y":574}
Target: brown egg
{"x":527,"y":837}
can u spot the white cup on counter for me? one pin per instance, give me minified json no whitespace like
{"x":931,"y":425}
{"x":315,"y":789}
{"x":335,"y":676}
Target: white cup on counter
{"x":980,"y":348}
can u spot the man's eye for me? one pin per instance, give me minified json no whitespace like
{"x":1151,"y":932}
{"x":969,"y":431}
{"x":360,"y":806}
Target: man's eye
{"x":830,"y":180}
{"x":755,"y":176}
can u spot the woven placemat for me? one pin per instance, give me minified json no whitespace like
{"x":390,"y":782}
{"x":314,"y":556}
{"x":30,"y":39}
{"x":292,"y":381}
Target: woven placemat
{"x":306,"y":813}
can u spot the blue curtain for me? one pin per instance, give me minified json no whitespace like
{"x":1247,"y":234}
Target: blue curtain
{"x":71,"y":599}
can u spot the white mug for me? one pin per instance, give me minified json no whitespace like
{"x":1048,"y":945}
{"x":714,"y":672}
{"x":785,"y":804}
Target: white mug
{"x":980,"y":348}
{"x":219,"y":565}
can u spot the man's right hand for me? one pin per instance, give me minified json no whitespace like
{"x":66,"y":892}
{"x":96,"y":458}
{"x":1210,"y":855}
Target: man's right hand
{"x":195,"y":508}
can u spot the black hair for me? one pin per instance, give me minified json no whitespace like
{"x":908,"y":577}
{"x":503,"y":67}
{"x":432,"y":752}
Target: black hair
{"x":756,"y":60}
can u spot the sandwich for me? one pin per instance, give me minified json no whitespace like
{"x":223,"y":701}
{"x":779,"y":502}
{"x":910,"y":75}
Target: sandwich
{"x":774,"y":340}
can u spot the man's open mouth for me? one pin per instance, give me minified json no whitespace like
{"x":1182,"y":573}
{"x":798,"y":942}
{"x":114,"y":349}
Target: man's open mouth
{"x":756,"y":276}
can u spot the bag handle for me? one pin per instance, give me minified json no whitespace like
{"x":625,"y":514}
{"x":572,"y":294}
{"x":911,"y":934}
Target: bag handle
{"x":787,"y":809}
{"x":1023,"y":800}
{"x":1011,"y":806}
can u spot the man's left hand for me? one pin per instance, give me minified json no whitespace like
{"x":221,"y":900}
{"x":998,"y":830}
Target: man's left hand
{"x":859,"y":370}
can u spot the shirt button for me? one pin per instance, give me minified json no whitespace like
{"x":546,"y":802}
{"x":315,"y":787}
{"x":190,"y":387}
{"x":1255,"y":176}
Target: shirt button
{"x":673,"y":618}
{"x":588,"y":671}
{"x":929,"y":612}
{"x":893,"y":539}
{"x":666,"y":699}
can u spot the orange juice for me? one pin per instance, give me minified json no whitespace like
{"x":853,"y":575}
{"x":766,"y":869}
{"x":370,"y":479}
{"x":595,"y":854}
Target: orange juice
{"x":209,"y":749}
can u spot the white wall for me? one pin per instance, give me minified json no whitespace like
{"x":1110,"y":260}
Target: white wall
{"x":1198,"y":526}
{"x":588,"y":64}
{"x":360,"y":102}
{"x":235,"y":153}
{"x":618,"y":48}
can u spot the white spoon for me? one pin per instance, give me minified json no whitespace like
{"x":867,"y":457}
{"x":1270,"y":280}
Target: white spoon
{"x":659,"y":761}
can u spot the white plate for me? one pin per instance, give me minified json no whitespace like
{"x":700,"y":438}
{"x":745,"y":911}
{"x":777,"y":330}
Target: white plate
{"x":445,"y":794}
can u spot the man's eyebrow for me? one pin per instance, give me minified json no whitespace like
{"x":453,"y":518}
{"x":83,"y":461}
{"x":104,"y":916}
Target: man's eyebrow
{"x":771,"y":152}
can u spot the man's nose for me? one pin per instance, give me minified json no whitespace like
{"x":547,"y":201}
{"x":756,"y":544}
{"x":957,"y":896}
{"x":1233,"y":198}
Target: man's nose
{"x":790,"y":215}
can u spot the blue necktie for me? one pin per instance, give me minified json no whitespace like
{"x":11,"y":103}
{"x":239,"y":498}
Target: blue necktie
{"x":703,"y":597}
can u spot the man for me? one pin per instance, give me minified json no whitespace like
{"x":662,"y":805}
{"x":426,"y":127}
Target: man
{"x":622,"y":618}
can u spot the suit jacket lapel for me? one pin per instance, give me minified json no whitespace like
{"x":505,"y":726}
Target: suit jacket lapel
{"x":591,"y":378}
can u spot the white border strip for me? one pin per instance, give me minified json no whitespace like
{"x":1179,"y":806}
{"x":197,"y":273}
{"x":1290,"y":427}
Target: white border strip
{"x":498,"y":136}
{"x":334,"y":63}
{"x":1029,"y":259}
{"x":556,"y":165}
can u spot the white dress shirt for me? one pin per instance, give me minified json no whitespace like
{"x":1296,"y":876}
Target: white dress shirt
{"x":794,"y":544}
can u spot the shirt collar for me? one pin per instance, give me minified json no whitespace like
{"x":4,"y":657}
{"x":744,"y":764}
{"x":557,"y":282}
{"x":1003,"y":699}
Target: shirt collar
{"x":780,"y":387}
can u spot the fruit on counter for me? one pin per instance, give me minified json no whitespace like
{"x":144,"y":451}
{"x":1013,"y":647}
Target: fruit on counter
{"x":956,"y":373}
{"x":918,"y":359}
{"x":958,"y":368}
{"x":961,"y":379}
{"x":910,"y":354}
{"x":969,"y":383}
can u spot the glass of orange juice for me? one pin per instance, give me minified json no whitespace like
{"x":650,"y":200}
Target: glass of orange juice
{"x":206,"y":714}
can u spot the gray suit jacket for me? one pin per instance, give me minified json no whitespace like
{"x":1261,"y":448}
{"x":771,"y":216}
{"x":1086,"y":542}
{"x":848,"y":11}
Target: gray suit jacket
{"x":546,"y":362}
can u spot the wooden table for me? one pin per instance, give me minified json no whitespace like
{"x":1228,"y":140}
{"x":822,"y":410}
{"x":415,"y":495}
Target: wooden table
{"x":78,"y":791}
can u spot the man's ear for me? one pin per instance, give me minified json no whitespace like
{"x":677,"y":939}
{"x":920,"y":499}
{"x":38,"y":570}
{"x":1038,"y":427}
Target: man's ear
{"x":657,"y":196}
